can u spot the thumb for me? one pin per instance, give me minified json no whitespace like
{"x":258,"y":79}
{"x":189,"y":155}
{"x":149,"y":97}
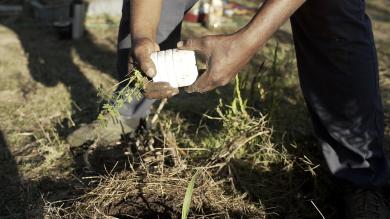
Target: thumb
{"x":147,"y":66}
{"x":156,"y":47}
{"x":195,"y":44}
{"x":201,"y":85}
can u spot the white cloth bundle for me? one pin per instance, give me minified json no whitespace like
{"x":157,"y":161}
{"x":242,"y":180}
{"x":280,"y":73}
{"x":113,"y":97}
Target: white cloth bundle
{"x":177,"y":67}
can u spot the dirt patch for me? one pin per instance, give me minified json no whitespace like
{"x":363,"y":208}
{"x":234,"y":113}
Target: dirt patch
{"x":142,"y":194}
{"x":154,"y":182}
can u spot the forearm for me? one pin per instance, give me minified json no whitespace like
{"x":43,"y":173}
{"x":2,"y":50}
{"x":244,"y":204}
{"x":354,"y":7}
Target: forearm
{"x":144,"y":18}
{"x":271,"y":15}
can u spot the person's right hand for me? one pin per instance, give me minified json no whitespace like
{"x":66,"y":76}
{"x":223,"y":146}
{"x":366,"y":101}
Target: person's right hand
{"x":141,"y":51}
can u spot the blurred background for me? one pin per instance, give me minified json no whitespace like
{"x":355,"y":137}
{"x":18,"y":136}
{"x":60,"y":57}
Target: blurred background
{"x":55,"y":56}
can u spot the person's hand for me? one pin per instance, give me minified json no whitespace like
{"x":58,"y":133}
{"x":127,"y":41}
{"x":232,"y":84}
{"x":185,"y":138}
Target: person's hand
{"x":141,"y":51}
{"x":225,"y":56}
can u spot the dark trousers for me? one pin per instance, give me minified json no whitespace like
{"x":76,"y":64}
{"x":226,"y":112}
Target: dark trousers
{"x":338,"y":72}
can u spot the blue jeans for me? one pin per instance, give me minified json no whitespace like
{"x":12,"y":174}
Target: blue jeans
{"x":338,"y":72}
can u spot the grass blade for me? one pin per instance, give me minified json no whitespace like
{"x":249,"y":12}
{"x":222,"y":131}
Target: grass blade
{"x":188,"y":196}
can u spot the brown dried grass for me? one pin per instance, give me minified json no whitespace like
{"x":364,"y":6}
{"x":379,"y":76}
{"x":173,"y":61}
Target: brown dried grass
{"x":141,"y":194}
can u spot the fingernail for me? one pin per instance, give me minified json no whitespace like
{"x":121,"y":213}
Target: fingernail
{"x":150,"y":72}
{"x":180,"y":44}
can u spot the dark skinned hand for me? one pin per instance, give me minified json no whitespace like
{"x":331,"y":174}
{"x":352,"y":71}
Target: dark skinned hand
{"x":225,"y":56}
{"x":141,"y":51}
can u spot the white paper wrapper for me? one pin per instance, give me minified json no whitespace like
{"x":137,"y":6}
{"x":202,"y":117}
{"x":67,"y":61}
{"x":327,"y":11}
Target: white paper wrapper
{"x":177,"y":67}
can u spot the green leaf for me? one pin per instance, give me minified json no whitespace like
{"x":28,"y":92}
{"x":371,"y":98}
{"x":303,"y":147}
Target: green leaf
{"x":188,"y":196}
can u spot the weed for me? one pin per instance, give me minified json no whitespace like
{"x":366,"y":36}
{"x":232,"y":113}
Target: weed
{"x":125,"y":91}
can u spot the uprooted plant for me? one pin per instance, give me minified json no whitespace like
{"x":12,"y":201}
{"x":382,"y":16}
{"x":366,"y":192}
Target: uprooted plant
{"x":125,"y":91}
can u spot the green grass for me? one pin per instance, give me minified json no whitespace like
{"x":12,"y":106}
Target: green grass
{"x":188,"y":196}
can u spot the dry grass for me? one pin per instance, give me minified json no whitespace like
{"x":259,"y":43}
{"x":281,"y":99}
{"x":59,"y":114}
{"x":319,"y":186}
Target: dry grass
{"x":154,"y":186}
{"x":142,"y":194}
{"x":153,"y":189}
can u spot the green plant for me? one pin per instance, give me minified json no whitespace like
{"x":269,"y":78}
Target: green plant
{"x":188,"y":196}
{"x":122,"y":92}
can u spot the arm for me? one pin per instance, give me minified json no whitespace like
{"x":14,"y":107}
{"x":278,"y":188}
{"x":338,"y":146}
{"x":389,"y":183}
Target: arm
{"x":144,"y":21}
{"x":227,"y":54}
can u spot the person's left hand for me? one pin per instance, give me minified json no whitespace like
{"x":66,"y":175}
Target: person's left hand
{"x":141,"y":51}
{"x":225,"y":56}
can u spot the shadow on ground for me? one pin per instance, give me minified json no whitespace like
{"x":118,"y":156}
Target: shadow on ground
{"x":11,"y":189}
{"x":50,"y":62}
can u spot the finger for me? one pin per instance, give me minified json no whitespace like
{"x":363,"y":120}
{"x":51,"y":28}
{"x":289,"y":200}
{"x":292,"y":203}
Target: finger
{"x":196,"y":44}
{"x":160,"y":87}
{"x":142,"y":53}
{"x":159,"y":90}
{"x":160,"y":94}
{"x":156,"y":47}
{"x":147,"y":65}
{"x":201,"y":85}
{"x":157,"y":86}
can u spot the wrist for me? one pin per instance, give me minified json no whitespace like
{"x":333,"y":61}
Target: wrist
{"x":248,"y":39}
{"x":141,"y":39}
{"x":138,"y":34}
